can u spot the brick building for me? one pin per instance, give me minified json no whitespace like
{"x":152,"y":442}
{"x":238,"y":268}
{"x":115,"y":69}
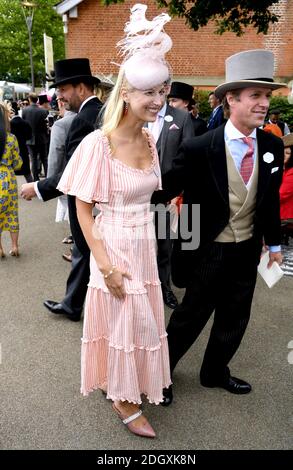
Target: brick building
{"x":92,"y":30}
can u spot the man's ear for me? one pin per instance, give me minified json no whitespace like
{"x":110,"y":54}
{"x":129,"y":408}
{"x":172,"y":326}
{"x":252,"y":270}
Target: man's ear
{"x":230,"y":98}
{"x":167,"y":89}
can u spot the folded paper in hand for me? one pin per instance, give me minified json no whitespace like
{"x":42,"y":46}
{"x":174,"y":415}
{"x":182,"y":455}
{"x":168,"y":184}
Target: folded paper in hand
{"x":270,"y":275}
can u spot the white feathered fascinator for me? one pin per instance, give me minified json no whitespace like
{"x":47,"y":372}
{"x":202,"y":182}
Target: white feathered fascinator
{"x":144,"y":49}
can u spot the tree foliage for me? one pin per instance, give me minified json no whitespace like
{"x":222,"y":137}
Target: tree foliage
{"x":286,"y":109}
{"x":229,"y":15}
{"x":14,"y":47}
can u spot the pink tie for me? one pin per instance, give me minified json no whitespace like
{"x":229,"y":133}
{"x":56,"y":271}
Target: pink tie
{"x":156,"y":128}
{"x":247,"y":161}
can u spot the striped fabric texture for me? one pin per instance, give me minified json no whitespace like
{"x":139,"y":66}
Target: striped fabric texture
{"x":124,"y":344}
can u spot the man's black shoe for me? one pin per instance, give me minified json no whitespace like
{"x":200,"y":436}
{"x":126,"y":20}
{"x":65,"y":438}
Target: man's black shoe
{"x":167,"y":396}
{"x":232,"y":385}
{"x":169,"y":298}
{"x":57,"y":308}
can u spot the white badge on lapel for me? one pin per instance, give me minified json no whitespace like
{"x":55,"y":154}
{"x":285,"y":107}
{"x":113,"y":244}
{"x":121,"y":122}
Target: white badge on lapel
{"x":168,"y":118}
{"x":268,"y":157}
{"x":274,"y":169}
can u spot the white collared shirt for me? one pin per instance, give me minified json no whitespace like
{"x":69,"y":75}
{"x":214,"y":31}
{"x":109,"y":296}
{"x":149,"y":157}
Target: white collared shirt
{"x":85,"y":101}
{"x":233,"y":138}
{"x":161,"y":116}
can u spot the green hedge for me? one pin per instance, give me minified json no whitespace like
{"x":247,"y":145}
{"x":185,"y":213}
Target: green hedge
{"x":201,"y":97}
{"x":286,"y":109}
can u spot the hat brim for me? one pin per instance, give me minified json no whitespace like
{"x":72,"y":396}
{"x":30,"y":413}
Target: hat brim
{"x":288,"y":140}
{"x":222,"y":89}
{"x":76,"y":79}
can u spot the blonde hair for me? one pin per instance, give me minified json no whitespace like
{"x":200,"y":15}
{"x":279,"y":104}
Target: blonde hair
{"x":6,"y":111}
{"x":115,"y":106}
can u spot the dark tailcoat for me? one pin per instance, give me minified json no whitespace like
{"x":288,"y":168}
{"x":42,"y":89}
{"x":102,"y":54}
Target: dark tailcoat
{"x":171,"y":138}
{"x":199,"y":125}
{"x":200,"y":170}
{"x":176,"y":128}
{"x":82,"y":125}
{"x":36,"y":117}
{"x":23,"y":132}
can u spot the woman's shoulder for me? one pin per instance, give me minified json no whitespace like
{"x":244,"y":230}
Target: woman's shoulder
{"x":94,"y":136}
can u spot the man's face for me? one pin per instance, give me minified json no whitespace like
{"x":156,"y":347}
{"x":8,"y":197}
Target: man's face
{"x":274,"y":118}
{"x":178,"y":103}
{"x":213,"y":101}
{"x":71,"y":96}
{"x":249,"y":109}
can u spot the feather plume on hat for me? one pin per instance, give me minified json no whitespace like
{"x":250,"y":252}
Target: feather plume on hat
{"x":144,"y":49}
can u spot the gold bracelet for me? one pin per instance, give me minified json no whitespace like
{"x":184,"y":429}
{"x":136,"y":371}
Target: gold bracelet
{"x":112,"y":270}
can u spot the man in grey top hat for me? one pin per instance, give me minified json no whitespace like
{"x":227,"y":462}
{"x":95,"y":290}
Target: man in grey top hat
{"x":239,"y":170}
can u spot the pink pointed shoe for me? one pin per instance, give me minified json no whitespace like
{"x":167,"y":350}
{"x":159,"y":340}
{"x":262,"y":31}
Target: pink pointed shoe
{"x":14,"y":252}
{"x":144,"y":431}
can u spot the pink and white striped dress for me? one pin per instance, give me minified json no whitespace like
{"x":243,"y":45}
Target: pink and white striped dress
{"x":124,"y":344}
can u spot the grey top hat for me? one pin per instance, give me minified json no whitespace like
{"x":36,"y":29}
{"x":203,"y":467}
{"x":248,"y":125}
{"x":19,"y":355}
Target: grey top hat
{"x":249,"y":68}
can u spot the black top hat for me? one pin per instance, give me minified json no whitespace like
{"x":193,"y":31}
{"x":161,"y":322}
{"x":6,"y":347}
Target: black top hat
{"x":73,"y":71}
{"x":181,"y":90}
{"x":43,"y":99}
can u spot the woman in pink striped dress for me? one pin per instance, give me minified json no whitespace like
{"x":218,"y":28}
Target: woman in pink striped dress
{"x":124,"y":344}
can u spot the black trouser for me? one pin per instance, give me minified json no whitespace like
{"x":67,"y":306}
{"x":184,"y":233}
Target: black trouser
{"x":164,"y":247}
{"x":78,"y":279}
{"x":223,"y":282}
{"x":39,"y":156}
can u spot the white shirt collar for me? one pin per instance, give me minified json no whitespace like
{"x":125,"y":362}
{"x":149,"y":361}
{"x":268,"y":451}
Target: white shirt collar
{"x":215,"y":109}
{"x":85,"y":101}
{"x":231,"y":132}
{"x":163,"y":110}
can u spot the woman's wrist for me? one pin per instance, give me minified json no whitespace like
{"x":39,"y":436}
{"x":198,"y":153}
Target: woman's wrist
{"x":108,"y":271}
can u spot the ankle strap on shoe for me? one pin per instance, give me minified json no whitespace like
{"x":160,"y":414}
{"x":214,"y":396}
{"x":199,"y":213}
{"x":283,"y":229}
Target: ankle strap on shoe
{"x":132,"y":417}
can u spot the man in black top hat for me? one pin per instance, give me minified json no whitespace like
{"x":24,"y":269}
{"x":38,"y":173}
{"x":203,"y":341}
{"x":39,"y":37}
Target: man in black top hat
{"x":180,"y":95}
{"x":75,"y":84}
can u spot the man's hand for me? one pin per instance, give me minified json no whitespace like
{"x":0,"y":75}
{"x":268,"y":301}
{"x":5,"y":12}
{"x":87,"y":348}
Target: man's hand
{"x":277,"y":256}
{"x":28,"y":191}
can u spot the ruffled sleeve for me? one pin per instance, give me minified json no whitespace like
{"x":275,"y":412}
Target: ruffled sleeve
{"x":86,"y":175}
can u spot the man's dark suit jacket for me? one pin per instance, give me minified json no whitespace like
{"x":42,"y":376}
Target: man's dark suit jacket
{"x":200,"y":169}
{"x":217,"y":119}
{"x":172,"y":135}
{"x":23,"y":132}
{"x":199,"y":125}
{"x":36,"y":117}
{"x":82,"y":125}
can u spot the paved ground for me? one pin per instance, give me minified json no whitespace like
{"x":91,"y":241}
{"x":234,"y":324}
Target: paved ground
{"x":41,"y":407}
